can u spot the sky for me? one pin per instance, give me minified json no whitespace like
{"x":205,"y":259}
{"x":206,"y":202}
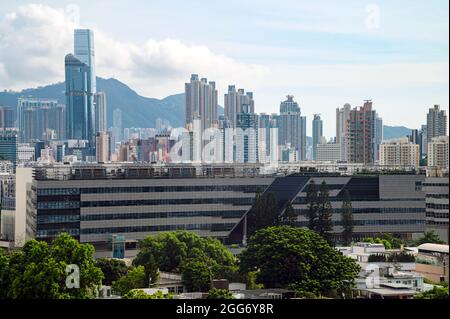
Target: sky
{"x":324,"y":52}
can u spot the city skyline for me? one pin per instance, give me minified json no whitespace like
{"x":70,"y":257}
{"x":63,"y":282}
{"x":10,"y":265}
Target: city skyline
{"x":384,"y":63}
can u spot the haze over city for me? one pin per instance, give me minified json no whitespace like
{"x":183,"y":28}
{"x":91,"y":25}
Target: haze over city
{"x":393,"y":53}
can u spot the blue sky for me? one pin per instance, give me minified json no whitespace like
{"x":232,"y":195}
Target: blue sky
{"x":325,"y":52}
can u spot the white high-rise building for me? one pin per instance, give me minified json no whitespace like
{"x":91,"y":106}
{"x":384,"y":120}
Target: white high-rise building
{"x":438,"y":152}
{"x":247,"y":136}
{"x":342,"y":118}
{"x":400,"y":153}
{"x":329,"y":152}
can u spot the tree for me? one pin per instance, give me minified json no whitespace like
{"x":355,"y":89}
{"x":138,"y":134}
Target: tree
{"x":38,"y":271}
{"x":264,"y":213}
{"x":4,"y":275}
{"x":288,"y":257}
{"x":388,"y":240}
{"x":312,"y":201}
{"x":436,"y":293}
{"x":325,"y":212}
{"x":171,"y":252}
{"x":219,"y":294}
{"x":429,"y":237}
{"x":387,"y":244}
{"x":112,"y":269}
{"x":135,"y":278}
{"x":139,"y":294}
{"x":197,"y":275}
{"x":289,"y":216}
{"x":347,"y":219}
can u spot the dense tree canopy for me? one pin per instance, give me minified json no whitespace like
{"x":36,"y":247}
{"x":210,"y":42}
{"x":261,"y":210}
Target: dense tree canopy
{"x":264,"y":213}
{"x":4,"y":275}
{"x":197,"y":275}
{"x":388,"y":240}
{"x":135,"y":278}
{"x":435,"y":293}
{"x":430,"y":237}
{"x":287,"y":257}
{"x":174,"y":251}
{"x":39,"y":270}
{"x":112,"y":269}
{"x":219,"y":294}
{"x":139,"y":294}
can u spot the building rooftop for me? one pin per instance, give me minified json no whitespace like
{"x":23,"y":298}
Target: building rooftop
{"x":433,"y":248}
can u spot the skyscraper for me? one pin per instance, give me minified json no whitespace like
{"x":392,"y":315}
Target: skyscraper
{"x":36,"y":116}
{"x":6,"y":117}
{"x":100,"y":112}
{"x":8,"y":145}
{"x":292,"y":126}
{"x":400,"y":152}
{"x":247,"y":136}
{"x":102,"y":147}
{"x":423,"y":133}
{"x":360,"y":134}
{"x":80,"y":89}
{"x":234,"y":101}
{"x":378,"y":136}
{"x":201,"y":101}
{"x":317,"y":133}
{"x":438,"y":152}
{"x":84,"y":51}
{"x":436,"y":123}
{"x":342,"y":118}
{"x":117,"y":129}
{"x":268,"y":130}
{"x":416,"y":138}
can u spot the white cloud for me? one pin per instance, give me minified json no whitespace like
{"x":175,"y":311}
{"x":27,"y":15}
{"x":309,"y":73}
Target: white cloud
{"x":35,"y":38}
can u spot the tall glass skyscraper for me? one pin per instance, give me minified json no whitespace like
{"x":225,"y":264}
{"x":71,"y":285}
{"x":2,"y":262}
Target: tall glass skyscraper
{"x":80,"y":89}
{"x":84,"y":51}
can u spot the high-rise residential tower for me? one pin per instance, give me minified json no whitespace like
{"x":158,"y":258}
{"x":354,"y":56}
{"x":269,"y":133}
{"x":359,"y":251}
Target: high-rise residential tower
{"x":400,"y":153}
{"x":378,"y":137}
{"x":6,"y":117}
{"x":360,"y":134}
{"x":8,"y":145}
{"x":117,"y":129}
{"x":292,"y":126}
{"x":247,"y":150}
{"x":100,"y":112}
{"x":438,"y":152}
{"x":342,"y":118}
{"x":436,"y":123}
{"x":36,"y":116}
{"x":317,"y":133}
{"x":201,"y":101}
{"x":102,"y":147}
{"x":234,"y":101}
